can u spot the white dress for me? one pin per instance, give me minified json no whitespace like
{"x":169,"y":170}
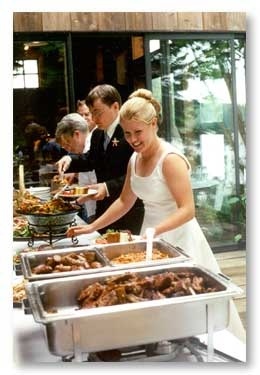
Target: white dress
{"x":159,"y":204}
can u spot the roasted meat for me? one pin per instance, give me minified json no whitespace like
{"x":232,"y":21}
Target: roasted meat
{"x":130,"y":288}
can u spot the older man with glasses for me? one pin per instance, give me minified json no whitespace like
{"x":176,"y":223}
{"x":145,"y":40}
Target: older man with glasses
{"x":108,"y":156}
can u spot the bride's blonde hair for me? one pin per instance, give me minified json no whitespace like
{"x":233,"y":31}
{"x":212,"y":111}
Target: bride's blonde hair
{"x":141,"y":106}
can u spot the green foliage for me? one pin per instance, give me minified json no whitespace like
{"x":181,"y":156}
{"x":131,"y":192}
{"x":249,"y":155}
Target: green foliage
{"x":237,"y":205}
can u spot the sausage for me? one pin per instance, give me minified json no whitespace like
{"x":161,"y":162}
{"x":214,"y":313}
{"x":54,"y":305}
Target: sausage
{"x":96,"y":264}
{"x":42,"y":268}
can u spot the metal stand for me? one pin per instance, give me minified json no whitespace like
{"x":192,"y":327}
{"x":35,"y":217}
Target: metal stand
{"x":51,"y":233}
{"x":210,"y":331}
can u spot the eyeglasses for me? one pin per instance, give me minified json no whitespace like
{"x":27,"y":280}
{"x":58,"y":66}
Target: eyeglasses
{"x":98,"y":113}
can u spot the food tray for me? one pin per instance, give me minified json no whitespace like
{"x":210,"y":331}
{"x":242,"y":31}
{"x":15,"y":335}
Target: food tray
{"x":32,"y":259}
{"x":73,"y":331}
{"x":110,"y":251}
{"x":48,"y":222}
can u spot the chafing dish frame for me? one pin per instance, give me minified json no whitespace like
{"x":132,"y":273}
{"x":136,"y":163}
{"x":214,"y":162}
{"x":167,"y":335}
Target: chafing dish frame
{"x":72,"y":332}
{"x":112,"y":250}
{"x":32,"y":259}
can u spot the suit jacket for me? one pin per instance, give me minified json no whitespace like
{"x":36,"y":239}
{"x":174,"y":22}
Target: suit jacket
{"x":110,"y":167}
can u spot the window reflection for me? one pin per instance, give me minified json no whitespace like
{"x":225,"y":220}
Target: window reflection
{"x":25,"y":74}
{"x":193,"y":81}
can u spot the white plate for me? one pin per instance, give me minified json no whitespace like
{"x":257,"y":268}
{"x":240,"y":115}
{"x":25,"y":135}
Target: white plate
{"x":134,"y":239}
{"x":74,"y":196}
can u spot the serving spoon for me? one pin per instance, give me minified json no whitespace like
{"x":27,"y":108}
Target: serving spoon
{"x":149,"y":243}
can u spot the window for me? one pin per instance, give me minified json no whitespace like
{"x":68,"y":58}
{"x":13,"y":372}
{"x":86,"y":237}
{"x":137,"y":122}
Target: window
{"x":200,"y":81}
{"x":25,"y":74}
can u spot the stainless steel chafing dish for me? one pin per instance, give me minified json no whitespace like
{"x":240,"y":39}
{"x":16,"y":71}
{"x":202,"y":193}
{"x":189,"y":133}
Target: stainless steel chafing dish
{"x":33,"y":259}
{"x":104,"y":255}
{"x":174,"y":254}
{"x":73,"y":332}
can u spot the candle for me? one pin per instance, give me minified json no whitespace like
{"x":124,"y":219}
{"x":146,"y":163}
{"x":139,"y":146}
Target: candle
{"x":21,"y":179}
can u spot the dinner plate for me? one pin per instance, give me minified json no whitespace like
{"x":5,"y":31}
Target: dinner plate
{"x":75,"y":196}
{"x":134,"y":239}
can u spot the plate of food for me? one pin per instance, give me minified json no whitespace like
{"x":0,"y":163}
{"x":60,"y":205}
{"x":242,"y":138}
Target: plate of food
{"x":74,"y":192}
{"x":20,"y":227}
{"x":55,"y":215}
{"x":115,"y":236}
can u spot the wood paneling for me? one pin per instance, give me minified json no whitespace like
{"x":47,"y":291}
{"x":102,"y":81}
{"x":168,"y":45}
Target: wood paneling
{"x":164,"y":21}
{"x":112,"y":21}
{"x":137,"y":47}
{"x":129,"y":21}
{"x":106,"y":21}
{"x":236,"y":21}
{"x":139,"y":21}
{"x":84,"y":21}
{"x":190,"y":21}
{"x":224,"y":21}
{"x":27,"y":21}
{"x":214,"y":21}
{"x":233,"y":264}
{"x":56,"y":21}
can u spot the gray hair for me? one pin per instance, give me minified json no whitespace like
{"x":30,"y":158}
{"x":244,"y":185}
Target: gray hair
{"x":69,"y":124}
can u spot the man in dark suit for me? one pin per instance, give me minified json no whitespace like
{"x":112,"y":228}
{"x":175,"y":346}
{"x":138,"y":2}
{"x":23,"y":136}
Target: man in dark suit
{"x":108,"y":155}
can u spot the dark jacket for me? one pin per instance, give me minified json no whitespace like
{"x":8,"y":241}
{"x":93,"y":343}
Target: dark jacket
{"x":110,"y":167}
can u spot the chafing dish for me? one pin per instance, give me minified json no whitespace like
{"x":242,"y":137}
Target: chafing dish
{"x":33,"y":259}
{"x":174,"y":254}
{"x":57,"y":223}
{"x":72,"y":331}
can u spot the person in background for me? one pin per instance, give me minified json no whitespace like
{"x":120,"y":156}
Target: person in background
{"x":159,"y":174}
{"x":84,"y":111}
{"x":108,"y":155}
{"x":52,"y":151}
{"x":41,"y":148}
{"x":72,"y":133}
{"x":87,"y":178}
{"x":35,"y":135}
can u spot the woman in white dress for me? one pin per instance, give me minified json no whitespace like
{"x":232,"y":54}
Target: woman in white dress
{"x":159,"y":174}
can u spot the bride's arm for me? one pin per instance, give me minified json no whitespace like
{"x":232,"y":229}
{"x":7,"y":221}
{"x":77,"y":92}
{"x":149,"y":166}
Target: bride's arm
{"x":117,"y":209}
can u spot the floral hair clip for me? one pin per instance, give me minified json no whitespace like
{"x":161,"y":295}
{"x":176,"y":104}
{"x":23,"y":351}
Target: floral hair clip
{"x":115,"y":142}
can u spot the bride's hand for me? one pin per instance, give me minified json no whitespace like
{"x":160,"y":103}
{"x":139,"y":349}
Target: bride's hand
{"x":79,"y":229}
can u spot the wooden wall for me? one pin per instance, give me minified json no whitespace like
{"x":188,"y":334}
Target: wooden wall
{"x":129,"y":21}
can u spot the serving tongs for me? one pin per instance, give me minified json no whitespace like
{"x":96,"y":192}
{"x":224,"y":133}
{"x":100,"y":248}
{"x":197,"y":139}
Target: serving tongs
{"x":60,"y":191}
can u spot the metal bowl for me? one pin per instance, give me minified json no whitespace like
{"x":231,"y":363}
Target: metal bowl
{"x":55,"y":223}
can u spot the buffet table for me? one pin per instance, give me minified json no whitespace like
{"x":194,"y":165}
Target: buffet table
{"x":31,"y":344}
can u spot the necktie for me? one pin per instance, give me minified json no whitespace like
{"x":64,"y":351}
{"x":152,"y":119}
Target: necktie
{"x":106,"y":140}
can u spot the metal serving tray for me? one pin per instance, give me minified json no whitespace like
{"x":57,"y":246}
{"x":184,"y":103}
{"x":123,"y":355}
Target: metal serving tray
{"x":71,"y":331}
{"x":32,"y":259}
{"x":110,"y":251}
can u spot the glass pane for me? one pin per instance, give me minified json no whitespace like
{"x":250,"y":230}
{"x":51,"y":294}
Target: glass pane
{"x":193,"y":81}
{"x":239,"y":205}
{"x":30,"y":66}
{"x":31,"y":81}
{"x":43,"y":100}
{"x":18,"y":82}
{"x":18,"y":67}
